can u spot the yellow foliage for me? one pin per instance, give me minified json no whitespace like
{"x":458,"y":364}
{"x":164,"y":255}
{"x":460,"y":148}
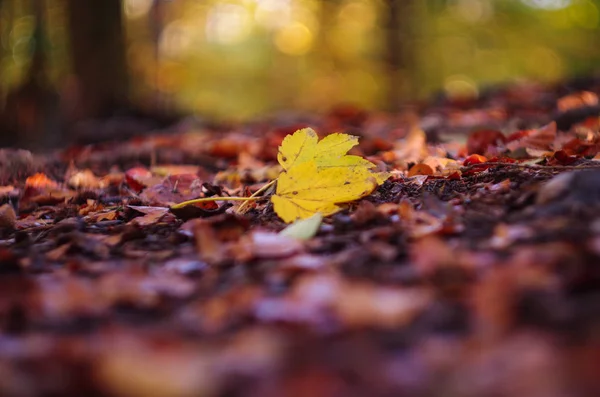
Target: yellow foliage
{"x":319,"y":175}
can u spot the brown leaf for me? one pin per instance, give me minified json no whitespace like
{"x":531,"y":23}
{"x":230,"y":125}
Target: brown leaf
{"x":273,"y":245}
{"x":8,"y":217}
{"x":137,"y":367}
{"x":151,"y":216}
{"x":210,"y":249}
{"x":541,"y":139}
{"x":84,"y":180}
{"x":58,"y":252}
{"x":172,"y":190}
{"x":577,"y":100}
{"x":413,"y":148}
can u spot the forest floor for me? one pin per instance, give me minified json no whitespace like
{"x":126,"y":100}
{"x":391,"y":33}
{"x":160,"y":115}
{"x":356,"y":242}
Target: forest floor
{"x":474,"y":270}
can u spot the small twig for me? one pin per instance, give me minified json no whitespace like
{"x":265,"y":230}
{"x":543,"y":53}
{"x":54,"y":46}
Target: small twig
{"x":529,"y":166}
{"x":242,"y":208}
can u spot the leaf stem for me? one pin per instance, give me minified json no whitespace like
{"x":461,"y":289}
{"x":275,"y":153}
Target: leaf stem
{"x":213,"y":198}
{"x":242,"y":208}
{"x":227,"y":198}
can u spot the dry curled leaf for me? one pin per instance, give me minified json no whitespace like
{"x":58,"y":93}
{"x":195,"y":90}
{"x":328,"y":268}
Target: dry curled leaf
{"x":413,"y":148}
{"x":420,"y":169}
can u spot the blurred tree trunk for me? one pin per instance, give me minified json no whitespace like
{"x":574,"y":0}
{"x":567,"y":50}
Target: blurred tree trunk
{"x":31,"y":111}
{"x":399,"y":51}
{"x":98,"y":55}
{"x":5,"y":138}
{"x":156,"y":24}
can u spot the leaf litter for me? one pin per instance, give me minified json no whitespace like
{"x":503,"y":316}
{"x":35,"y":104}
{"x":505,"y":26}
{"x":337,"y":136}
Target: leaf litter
{"x":464,"y":267}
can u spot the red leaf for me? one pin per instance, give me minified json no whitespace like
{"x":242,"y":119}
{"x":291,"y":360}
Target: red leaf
{"x":138,"y":178}
{"x":541,"y":139}
{"x":561,"y":157}
{"x":474,"y":159}
{"x":480,"y":141}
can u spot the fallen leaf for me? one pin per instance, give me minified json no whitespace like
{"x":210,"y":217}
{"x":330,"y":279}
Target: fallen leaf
{"x":362,"y":304}
{"x":413,"y":148}
{"x":306,"y":262}
{"x":304,"y":190}
{"x":319,"y":175}
{"x":210,"y":249}
{"x":139,"y":178}
{"x":84,"y":179}
{"x":441,"y":165}
{"x":273,"y":245}
{"x":479,"y":141}
{"x":58,"y":253}
{"x":151,"y":216}
{"x":8,"y":217}
{"x":555,"y":189}
{"x":577,"y":100}
{"x":110,"y":215}
{"x":303,"y":229}
{"x":330,"y":152}
{"x":506,"y":235}
{"x":420,"y":169}
{"x":474,"y":159}
{"x":364,"y":213}
{"x":41,"y":190}
{"x":135,"y":367}
{"x":8,"y":191}
{"x":40,"y":181}
{"x":173,"y":189}
{"x":166,"y":170}
{"x":541,"y":139}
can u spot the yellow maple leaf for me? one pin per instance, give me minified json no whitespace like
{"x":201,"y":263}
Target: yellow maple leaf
{"x":319,"y":175}
{"x":304,"y":145}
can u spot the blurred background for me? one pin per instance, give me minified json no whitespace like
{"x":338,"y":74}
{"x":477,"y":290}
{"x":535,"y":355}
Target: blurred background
{"x":66,"y":61}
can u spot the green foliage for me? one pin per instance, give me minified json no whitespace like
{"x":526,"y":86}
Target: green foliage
{"x":242,"y":58}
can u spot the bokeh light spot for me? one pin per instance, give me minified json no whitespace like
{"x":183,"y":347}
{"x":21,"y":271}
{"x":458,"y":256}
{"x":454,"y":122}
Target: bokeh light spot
{"x":136,"y":8}
{"x":548,"y":4}
{"x":474,"y":10}
{"x":294,"y":39}
{"x":460,"y":87}
{"x":228,"y":24}
{"x":359,"y":12}
{"x":175,"y":39}
{"x":273,"y":14}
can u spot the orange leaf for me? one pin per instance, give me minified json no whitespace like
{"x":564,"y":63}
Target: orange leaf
{"x":420,"y":169}
{"x":40,"y":181}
